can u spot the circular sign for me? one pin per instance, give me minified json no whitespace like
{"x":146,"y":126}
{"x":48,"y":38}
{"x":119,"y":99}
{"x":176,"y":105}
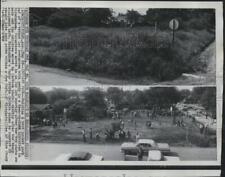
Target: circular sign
{"x":174,"y":24}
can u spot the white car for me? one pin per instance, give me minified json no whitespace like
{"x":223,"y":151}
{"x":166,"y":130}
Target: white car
{"x":145,"y":144}
{"x":156,"y":155}
{"x":79,"y":156}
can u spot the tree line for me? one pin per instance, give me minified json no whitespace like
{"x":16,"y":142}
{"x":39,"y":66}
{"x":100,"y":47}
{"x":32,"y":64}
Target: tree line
{"x":93,"y":103}
{"x":105,"y":17}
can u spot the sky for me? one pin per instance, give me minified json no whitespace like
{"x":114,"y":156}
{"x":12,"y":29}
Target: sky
{"x":142,"y":11}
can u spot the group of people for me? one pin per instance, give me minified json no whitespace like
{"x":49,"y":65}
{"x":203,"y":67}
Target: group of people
{"x":91,"y":137}
{"x":204,"y":128}
{"x":121,"y":133}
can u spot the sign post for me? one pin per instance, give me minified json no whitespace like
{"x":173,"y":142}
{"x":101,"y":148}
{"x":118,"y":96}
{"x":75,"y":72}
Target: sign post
{"x":173,"y":24}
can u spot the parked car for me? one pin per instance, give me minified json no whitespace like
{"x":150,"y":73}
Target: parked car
{"x":79,"y":156}
{"x":145,"y":144}
{"x":156,"y":155}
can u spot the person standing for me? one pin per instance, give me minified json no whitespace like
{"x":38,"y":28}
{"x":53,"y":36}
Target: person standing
{"x":91,"y":134}
{"x":128,"y":135}
{"x":135,"y":124}
{"x":140,"y":153}
{"x":137,"y":136}
{"x":122,"y":124}
{"x":84,"y":135}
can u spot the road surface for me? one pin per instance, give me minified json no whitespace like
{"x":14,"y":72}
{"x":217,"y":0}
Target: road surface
{"x":46,"y":152}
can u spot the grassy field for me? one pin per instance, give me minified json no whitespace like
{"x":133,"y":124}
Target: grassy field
{"x":162,"y":130}
{"x":120,"y":53}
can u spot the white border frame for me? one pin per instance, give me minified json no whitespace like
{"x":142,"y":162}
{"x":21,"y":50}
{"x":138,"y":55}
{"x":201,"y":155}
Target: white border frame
{"x":218,"y":6}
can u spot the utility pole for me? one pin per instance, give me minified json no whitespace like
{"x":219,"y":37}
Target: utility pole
{"x":156,"y":34}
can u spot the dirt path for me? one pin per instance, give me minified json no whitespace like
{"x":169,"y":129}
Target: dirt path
{"x":40,"y":75}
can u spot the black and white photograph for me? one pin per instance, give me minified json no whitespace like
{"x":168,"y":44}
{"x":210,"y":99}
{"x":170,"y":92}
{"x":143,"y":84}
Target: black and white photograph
{"x":111,"y":88}
{"x":123,"y":123}
{"x":122,"y":46}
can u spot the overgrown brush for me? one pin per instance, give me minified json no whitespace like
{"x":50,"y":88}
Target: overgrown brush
{"x":121,"y":53}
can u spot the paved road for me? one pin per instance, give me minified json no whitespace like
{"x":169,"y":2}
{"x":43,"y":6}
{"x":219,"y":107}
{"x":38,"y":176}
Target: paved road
{"x":44,"y":151}
{"x":40,"y":75}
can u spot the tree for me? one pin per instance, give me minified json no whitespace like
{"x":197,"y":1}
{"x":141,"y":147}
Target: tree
{"x":196,"y":94}
{"x":208,"y":100}
{"x":133,"y":17}
{"x":77,"y":112}
{"x":59,"y":105}
{"x":138,"y":99}
{"x":185,"y":94}
{"x":115,"y":94}
{"x":98,"y":16}
{"x":162,"y":97}
{"x":94,"y":101}
{"x":64,"y":18}
{"x":41,"y":14}
{"x":37,"y":96}
{"x":60,"y":94}
{"x":94,"y":97}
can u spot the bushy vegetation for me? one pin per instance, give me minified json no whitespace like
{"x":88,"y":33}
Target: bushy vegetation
{"x":123,"y":53}
{"x":93,"y":103}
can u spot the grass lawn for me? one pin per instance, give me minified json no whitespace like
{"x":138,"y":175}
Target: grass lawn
{"x":162,"y":130}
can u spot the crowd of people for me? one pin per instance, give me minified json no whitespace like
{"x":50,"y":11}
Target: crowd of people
{"x":98,"y":135}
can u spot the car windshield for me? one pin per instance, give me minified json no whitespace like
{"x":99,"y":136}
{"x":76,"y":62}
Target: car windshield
{"x":81,"y":156}
{"x":147,"y":145}
{"x":88,"y":156}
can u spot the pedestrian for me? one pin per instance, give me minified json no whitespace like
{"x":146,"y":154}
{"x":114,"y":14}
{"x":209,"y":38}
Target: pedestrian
{"x":120,"y":134}
{"x":91,"y":134}
{"x":135,"y":124}
{"x":206,"y":129}
{"x":123,"y":134}
{"x":140,"y":153}
{"x":122,"y":124}
{"x":137,"y":136}
{"x":97,"y":136}
{"x":149,"y":114}
{"x":84,"y":135}
{"x":201,"y":128}
{"x":128,"y":134}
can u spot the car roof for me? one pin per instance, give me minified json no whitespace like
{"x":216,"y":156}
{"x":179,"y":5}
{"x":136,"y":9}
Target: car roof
{"x":148,"y":141}
{"x":79,"y":154}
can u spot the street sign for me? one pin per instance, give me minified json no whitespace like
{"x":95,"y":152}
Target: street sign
{"x":174,"y":24}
